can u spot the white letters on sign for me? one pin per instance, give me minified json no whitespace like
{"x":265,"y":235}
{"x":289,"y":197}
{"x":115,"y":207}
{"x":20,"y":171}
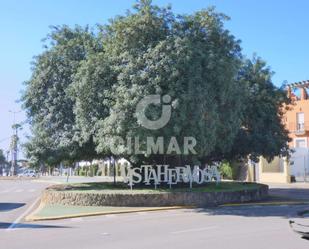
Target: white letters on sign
{"x":154,"y":175}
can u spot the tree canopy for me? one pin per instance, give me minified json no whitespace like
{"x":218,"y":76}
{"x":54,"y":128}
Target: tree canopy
{"x":262,"y":132}
{"x":86,"y":85}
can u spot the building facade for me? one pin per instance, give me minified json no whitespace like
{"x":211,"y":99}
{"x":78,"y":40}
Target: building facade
{"x":296,"y":120}
{"x":297,"y":117}
{"x":297,"y":123}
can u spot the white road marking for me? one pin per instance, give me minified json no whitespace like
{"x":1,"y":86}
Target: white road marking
{"x":77,"y":219}
{"x":110,"y":216}
{"x":11,"y":227}
{"x":193,"y":230}
{"x":106,"y":234}
{"x":31,"y":190}
{"x":19,"y":190}
{"x":142,"y":213}
{"x":7,"y":190}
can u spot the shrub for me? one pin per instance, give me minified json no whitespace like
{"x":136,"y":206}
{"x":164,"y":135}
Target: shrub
{"x":226,"y":170}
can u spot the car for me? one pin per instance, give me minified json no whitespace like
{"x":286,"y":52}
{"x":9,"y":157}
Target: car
{"x":31,"y":173}
{"x":28,"y":173}
{"x":56,"y":172}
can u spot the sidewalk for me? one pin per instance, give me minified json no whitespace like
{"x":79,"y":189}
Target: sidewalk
{"x":292,"y":191}
{"x":304,"y":185}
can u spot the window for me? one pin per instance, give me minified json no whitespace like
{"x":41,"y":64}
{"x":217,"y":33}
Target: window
{"x":300,"y":121}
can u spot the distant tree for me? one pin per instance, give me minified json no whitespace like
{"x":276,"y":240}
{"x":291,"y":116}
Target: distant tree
{"x":2,"y":157}
{"x":2,"y":162}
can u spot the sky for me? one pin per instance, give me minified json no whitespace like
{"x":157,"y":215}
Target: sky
{"x":277,"y":31}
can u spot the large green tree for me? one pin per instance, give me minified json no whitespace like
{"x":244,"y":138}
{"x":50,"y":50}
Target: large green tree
{"x":85,"y":88}
{"x":47,"y":99}
{"x":191,"y":58}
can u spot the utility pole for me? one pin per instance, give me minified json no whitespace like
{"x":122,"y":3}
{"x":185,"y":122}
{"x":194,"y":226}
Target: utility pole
{"x":14,"y":115}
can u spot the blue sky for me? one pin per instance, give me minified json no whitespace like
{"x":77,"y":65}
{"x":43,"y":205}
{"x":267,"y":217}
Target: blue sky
{"x":275,"y":30}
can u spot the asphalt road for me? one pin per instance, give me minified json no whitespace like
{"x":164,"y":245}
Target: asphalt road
{"x":17,"y":198}
{"x":254,"y":227}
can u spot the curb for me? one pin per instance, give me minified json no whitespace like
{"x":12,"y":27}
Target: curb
{"x":41,"y":218}
{"x":47,"y":181}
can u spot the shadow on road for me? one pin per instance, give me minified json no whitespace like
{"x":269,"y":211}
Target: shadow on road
{"x":285,"y":211}
{"x":7,"y":206}
{"x":5,"y":225}
{"x":290,"y":193}
{"x":275,"y":194}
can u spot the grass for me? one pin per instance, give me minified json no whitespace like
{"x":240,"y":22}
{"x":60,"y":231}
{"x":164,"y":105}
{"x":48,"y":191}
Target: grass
{"x":124,"y":188}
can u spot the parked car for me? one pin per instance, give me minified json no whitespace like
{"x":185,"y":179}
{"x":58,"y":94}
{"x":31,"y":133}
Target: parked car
{"x":56,"y":172}
{"x":28,"y":173}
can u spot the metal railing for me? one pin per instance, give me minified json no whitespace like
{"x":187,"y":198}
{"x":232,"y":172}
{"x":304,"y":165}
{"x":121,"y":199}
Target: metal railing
{"x":298,"y":127}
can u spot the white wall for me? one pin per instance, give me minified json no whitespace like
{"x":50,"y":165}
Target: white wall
{"x":300,"y":163}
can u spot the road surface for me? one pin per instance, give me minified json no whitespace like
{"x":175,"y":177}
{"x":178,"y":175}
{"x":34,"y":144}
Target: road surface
{"x":254,"y":227}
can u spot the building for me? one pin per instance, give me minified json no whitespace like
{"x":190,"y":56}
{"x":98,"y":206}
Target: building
{"x":296,"y":120}
{"x":297,"y":123}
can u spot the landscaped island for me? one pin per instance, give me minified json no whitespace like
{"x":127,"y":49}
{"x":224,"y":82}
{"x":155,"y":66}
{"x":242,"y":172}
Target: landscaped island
{"x":107,"y":194}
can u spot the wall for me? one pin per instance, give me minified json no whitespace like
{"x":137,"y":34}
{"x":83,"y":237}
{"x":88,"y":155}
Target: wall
{"x":300,"y":164}
{"x":133,"y":199}
{"x":277,"y":171}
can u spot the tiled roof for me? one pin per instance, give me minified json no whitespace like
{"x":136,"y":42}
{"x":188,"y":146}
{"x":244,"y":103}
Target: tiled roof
{"x":304,"y":83}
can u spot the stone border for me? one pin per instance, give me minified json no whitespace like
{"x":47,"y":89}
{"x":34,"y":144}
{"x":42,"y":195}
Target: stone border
{"x":162,"y":199}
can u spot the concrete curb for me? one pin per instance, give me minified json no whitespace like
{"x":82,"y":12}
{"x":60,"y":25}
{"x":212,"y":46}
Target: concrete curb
{"x":47,"y":181}
{"x":32,"y":217}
